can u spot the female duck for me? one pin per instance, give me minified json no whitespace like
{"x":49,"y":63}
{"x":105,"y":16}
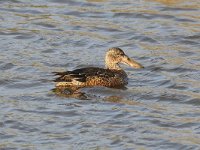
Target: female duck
{"x":112,"y":76}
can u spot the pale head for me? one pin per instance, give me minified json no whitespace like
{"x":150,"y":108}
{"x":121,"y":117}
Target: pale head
{"x":115,"y":55}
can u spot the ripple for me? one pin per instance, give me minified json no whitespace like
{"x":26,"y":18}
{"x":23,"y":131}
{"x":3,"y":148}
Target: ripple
{"x":24,"y":11}
{"x":24,"y":36}
{"x":144,"y":39}
{"x":10,"y":1}
{"x":193,"y":37}
{"x":158,"y":109}
{"x":22,"y":127}
{"x":164,"y":83}
{"x":69,"y":2}
{"x":107,"y":29}
{"x":180,"y":87}
{"x":6,"y":136}
{"x":174,"y":69}
{"x":71,"y":113}
{"x":16,"y":85}
{"x":186,"y":53}
{"x":184,"y":20}
{"x":74,"y":13}
{"x":7,"y":66}
{"x":144,"y":15}
{"x":175,"y":9}
{"x":9,"y":33}
{"x":189,"y":42}
{"x":46,"y":25}
{"x":195,"y":101}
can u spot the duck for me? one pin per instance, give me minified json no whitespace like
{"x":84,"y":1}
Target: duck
{"x":112,"y":76}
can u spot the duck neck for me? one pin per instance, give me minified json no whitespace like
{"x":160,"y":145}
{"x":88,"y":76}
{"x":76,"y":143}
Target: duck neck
{"x":113,"y":66}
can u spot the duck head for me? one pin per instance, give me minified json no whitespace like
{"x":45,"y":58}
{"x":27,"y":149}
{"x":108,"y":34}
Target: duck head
{"x":115,"y":56}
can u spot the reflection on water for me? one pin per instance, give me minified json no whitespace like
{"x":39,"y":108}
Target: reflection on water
{"x":67,"y":93}
{"x":160,"y":107}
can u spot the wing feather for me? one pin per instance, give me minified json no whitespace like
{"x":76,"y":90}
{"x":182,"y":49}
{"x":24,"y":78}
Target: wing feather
{"x":83,"y":74}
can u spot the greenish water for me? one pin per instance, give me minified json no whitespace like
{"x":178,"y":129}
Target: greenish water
{"x":160,"y":108}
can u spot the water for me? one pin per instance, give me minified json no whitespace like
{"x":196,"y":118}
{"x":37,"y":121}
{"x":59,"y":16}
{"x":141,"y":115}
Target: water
{"x":160,"y":108}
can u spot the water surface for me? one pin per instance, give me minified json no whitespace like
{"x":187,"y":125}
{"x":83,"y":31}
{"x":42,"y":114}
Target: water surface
{"x":160,"y":108}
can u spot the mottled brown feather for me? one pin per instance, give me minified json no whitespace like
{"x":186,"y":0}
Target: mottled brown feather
{"x":112,"y":76}
{"x":92,"y":77}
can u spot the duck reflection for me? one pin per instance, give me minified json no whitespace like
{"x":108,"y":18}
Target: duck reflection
{"x":112,"y":96}
{"x":69,"y":93}
{"x":83,"y":93}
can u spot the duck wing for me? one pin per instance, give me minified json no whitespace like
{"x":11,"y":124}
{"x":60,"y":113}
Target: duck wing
{"x":81,"y":75}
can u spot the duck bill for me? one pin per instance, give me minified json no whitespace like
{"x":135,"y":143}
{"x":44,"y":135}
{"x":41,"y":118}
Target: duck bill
{"x":128,"y":61}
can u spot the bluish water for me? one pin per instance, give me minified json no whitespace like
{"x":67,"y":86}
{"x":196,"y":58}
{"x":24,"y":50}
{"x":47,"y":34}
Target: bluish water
{"x":160,"y":108}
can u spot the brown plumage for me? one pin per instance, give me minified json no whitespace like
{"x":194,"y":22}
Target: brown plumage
{"x":112,"y":76}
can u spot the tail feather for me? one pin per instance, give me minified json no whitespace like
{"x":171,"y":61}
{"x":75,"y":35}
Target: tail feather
{"x":69,"y":76}
{"x":61,"y":73}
